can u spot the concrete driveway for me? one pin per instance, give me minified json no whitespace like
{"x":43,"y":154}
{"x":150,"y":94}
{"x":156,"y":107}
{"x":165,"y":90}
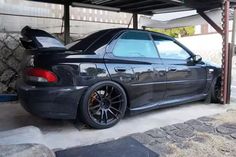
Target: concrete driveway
{"x":17,"y":126}
{"x":58,"y":134}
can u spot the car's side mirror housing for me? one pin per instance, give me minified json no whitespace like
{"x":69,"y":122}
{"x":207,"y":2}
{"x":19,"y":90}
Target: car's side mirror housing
{"x":197,"y":58}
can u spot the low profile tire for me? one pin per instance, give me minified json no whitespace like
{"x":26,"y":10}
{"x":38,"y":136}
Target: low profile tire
{"x":103,"y":105}
{"x":216,"y":90}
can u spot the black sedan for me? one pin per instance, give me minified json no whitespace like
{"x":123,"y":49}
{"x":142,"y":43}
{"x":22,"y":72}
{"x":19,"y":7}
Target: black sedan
{"x":111,"y":72}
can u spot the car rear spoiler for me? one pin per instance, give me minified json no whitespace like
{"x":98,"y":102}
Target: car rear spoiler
{"x":39,"y":41}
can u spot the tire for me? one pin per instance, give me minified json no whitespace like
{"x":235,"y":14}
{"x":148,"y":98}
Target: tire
{"x":215,"y":90}
{"x":103,"y":105}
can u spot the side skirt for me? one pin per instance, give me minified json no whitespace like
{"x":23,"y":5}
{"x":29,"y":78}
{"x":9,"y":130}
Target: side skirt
{"x":167,"y":103}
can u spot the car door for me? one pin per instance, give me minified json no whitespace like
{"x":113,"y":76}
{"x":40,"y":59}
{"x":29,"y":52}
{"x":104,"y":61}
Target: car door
{"x":184,"y":77}
{"x":130,"y":60}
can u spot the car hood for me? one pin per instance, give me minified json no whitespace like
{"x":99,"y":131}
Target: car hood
{"x":212,"y":64}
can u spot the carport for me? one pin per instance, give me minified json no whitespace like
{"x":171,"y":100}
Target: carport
{"x":63,"y":134}
{"x":150,"y":7}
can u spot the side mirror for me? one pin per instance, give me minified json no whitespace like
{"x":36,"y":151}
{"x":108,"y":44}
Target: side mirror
{"x":197,"y":59}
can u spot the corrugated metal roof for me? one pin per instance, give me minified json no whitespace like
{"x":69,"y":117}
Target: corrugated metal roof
{"x":147,"y":7}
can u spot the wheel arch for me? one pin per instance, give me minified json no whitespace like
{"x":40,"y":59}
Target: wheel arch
{"x":215,"y":81}
{"x":82,"y":111}
{"x":126,"y":92}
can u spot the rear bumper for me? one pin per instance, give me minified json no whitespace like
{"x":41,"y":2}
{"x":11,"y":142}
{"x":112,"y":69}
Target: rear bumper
{"x":50,"y":102}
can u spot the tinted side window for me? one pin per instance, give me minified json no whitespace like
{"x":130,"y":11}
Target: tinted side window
{"x":135,"y":44}
{"x":168,"y":49}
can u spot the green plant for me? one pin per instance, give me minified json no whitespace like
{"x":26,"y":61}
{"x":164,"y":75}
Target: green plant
{"x":175,"y":32}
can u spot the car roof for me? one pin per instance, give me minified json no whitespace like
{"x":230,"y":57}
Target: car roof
{"x":90,"y":43}
{"x":131,"y":29}
{"x":156,"y":33}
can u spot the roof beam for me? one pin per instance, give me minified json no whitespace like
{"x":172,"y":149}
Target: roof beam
{"x":203,"y":4}
{"x":51,"y":1}
{"x":117,"y":2}
{"x":177,"y":2}
{"x":210,"y":21}
{"x":171,"y":10}
{"x":83,"y":5}
{"x":146,"y":7}
{"x":100,"y":2}
{"x":142,"y":6}
{"x":136,"y":3}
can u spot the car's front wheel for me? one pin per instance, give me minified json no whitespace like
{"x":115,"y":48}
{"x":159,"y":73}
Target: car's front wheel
{"x":216,"y":90}
{"x":103,"y":105}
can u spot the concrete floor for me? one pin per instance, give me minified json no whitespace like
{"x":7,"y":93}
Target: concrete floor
{"x":17,"y":126}
{"x":58,"y":134}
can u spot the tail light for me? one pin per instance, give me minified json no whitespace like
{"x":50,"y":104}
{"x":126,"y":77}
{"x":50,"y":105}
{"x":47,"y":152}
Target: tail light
{"x":40,"y":75}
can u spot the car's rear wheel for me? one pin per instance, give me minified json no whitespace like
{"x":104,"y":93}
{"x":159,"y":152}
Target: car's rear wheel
{"x":216,"y":90}
{"x":103,"y":105}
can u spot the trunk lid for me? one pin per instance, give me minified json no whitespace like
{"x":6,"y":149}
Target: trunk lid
{"x":38,"y":43}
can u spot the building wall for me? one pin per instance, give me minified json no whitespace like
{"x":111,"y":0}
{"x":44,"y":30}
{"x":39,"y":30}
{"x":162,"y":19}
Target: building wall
{"x":49,"y":17}
{"x":15,"y":14}
{"x":208,"y":46}
{"x":208,"y":29}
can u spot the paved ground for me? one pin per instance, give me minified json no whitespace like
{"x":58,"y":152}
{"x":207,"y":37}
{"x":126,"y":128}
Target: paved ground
{"x":169,"y":132}
{"x":205,"y":136}
{"x":212,"y":136}
{"x":64,"y":134}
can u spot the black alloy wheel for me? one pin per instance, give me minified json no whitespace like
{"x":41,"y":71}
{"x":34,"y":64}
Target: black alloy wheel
{"x":104,"y":105}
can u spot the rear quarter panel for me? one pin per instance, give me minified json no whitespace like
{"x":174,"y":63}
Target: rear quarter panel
{"x":74,"y":70}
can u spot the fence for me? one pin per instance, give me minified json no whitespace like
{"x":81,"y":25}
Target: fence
{"x":11,"y":55}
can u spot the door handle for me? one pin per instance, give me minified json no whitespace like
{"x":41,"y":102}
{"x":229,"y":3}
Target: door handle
{"x":161,"y":73}
{"x":120,"y":69}
{"x":172,"y":69}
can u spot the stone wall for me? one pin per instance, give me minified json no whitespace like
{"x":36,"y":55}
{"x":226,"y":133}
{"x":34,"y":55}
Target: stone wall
{"x":11,"y":55}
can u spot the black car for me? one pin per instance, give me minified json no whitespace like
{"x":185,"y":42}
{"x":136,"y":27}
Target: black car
{"x":111,"y":72}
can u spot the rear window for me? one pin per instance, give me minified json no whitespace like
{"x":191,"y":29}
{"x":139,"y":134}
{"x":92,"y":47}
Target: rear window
{"x":83,"y":44}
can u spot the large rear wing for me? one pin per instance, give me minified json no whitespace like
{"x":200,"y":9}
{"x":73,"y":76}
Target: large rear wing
{"x":40,"y":41}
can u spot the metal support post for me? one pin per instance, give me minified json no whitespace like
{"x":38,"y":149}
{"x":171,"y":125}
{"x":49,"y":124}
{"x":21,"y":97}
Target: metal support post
{"x":225,"y":53}
{"x":210,"y":21}
{"x":135,"y":21}
{"x":66,"y":23}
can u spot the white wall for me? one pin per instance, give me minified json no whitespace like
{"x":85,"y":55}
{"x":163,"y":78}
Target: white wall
{"x":208,"y":46}
{"x":90,"y":19}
